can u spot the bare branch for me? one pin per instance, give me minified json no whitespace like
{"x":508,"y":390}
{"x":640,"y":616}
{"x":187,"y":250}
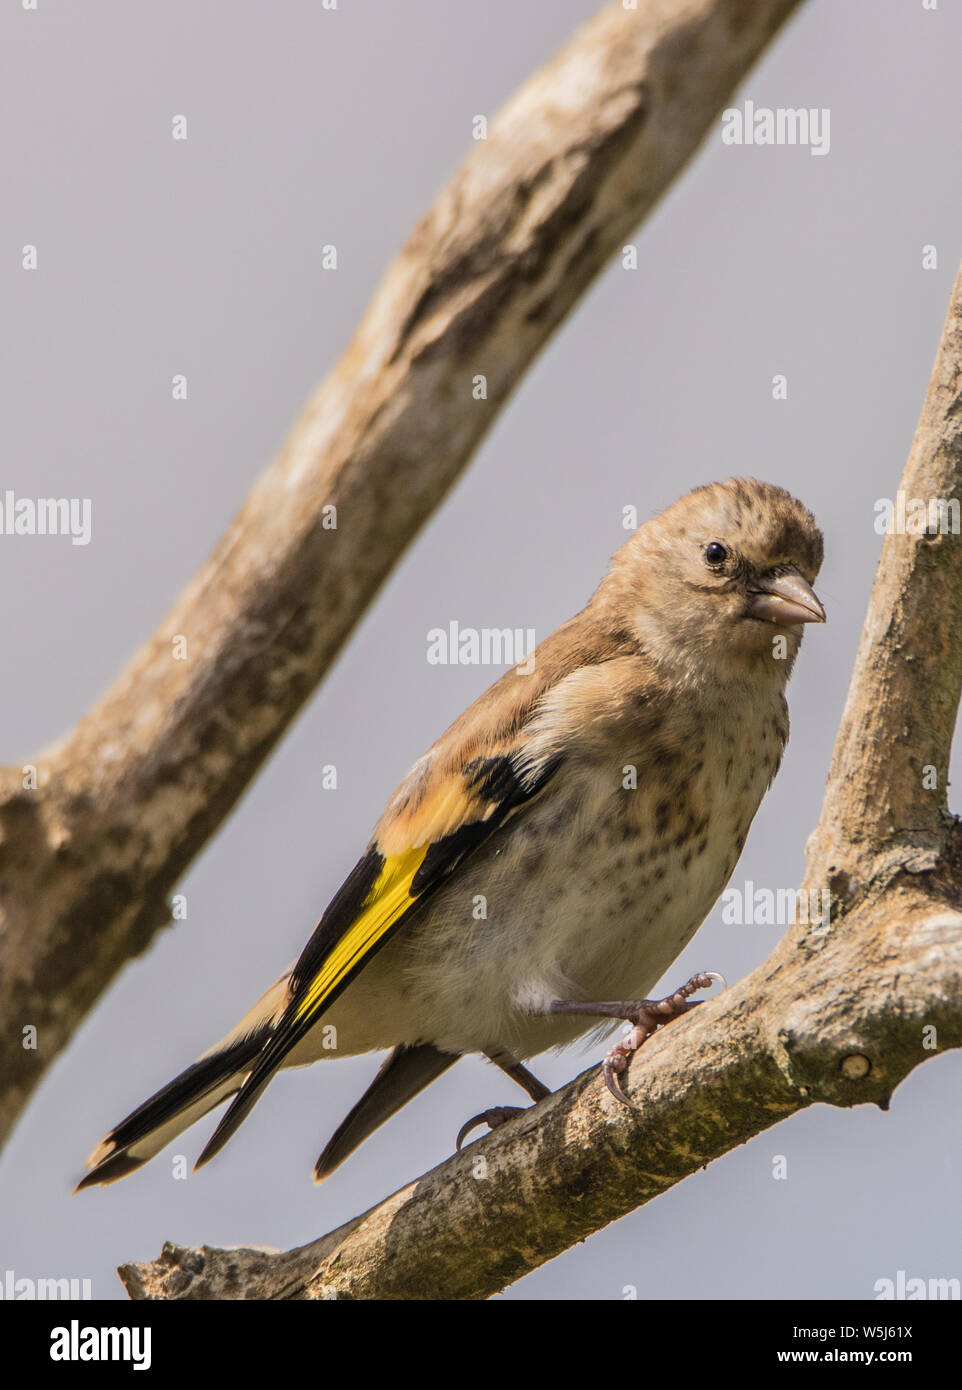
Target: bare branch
{"x":842,"y":1026}
{"x":904,"y":695}
{"x":122,"y":805}
{"x":840,"y":1013}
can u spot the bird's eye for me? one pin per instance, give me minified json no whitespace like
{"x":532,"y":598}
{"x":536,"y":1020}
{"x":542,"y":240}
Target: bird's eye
{"x":716,"y":553}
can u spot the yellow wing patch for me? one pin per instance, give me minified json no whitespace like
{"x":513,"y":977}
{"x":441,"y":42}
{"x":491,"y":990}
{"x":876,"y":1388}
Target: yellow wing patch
{"x":388,"y":899}
{"x":431,"y":813}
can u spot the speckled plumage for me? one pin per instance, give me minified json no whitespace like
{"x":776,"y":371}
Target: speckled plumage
{"x":578,"y":821}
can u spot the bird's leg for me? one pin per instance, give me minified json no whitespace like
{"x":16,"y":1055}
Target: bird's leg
{"x":646,"y":1016}
{"x":536,"y":1089}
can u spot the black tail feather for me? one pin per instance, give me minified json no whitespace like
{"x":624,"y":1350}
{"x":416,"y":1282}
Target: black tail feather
{"x":402,"y":1075}
{"x":255,"y":1083}
{"x":111,"y":1159}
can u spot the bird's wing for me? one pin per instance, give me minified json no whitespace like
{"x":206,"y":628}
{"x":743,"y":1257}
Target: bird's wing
{"x":488,"y":766}
{"x":385,"y":887}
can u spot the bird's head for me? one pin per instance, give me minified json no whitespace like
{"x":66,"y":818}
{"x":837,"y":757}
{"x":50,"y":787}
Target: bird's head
{"x":713,"y":580}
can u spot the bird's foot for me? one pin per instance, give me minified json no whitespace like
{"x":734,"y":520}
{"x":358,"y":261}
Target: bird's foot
{"x":647,"y":1016}
{"x":494,"y":1118}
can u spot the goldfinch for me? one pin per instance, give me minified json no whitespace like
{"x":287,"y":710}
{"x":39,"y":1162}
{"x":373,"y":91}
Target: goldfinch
{"x":539,"y":869}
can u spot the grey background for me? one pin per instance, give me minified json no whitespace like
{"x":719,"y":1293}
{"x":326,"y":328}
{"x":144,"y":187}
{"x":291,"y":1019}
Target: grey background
{"x":203,"y":257}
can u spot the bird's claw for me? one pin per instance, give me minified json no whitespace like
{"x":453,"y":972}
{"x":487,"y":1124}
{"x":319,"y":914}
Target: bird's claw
{"x":493,"y":1118}
{"x":647,"y":1017}
{"x":616,"y":1061}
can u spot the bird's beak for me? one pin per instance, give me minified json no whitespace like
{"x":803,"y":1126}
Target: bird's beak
{"x":785,"y":598}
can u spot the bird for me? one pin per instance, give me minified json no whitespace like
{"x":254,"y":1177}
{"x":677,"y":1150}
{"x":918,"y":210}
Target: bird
{"x":539,"y":869}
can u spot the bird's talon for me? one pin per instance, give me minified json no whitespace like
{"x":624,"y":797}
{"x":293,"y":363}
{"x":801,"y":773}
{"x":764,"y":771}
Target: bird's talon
{"x":493,"y":1118}
{"x":647,"y":1017}
{"x":614,"y":1064}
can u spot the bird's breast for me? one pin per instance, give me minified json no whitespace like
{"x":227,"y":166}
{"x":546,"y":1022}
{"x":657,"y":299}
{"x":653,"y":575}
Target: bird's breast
{"x":590,"y":893}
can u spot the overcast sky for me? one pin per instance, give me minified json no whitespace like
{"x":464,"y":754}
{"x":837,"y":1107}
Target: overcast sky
{"x":203,"y":257}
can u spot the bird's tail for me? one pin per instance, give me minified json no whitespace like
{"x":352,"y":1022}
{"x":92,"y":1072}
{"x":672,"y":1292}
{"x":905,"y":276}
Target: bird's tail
{"x":175,"y":1107}
{"x":405,"y":1072}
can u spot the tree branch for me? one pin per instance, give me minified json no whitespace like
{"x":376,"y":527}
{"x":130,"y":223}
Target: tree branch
{"x":841,"y":1011}
{"x":121,"y":806}
{"x":902,"y":702}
